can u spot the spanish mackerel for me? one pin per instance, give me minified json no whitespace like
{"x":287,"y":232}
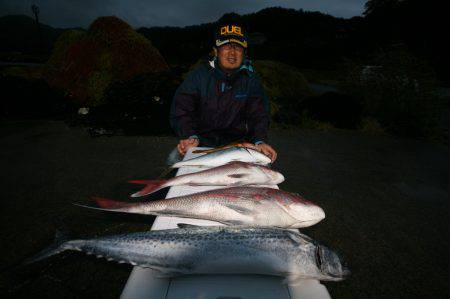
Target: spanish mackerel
{"x":252,"y":206}
{"x":225,"y":156}
{"x":231,"y":174}
{"x":215,"y":250}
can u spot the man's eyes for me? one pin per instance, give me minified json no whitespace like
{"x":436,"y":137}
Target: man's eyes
{"x":229,"y":47}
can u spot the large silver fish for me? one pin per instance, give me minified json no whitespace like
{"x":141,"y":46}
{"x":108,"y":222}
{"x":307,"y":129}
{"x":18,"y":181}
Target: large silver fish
{"x":225,"y":156}
{"x":215,"y":250}
{"x":231,"y":174}
{"x":232,"y":206}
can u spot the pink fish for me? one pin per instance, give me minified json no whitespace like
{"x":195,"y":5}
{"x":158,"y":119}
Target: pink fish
{"x":254,"y":206}
{"x":231,"y":174}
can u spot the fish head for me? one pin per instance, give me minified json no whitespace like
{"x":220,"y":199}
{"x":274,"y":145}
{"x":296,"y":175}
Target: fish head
{"x":275,"y":176}
{"x":258,"y":157}
{"x":330,"y":264}
{"x":307,"y":212}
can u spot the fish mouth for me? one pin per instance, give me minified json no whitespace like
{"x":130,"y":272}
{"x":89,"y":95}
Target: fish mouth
{"x":307,"y":223}
{"x":278,"y":178}
{"x":265,"y":159}
{"x":314,"y":214}
{"x":330,"y":264}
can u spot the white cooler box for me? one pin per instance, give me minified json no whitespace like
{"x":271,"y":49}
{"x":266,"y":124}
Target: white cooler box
{"x":143,"y":282}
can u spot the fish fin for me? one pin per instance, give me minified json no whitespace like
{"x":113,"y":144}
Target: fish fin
{"x":238,"y":175}
{"x":93,"y":208}
{"x":151,"y":187}
{"x":239,"y":209}
{"x":55,"y":248}
{"x":140,"y":182}
{"x":207,"y":151}
{"x":300,"y":238}
{"x":233,"y":222}
{"x":213,"y":150}
{"x":180,"y":165}
{"x":187,"y":225}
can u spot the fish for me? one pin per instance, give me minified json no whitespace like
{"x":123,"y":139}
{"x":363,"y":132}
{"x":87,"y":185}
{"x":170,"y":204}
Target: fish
{"x":213,"y":250}
{"x":231,"y":174}
{"x":233,"y":144}
{"x":225,"y":156}
{"x":254,"y":206}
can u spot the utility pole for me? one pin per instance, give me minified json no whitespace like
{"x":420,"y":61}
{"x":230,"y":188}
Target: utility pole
{"x":35,"y":10}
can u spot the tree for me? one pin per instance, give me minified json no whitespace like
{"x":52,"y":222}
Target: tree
{"x":380,"y":7}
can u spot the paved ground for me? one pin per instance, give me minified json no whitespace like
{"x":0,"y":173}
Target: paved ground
{"x":387,"y":202}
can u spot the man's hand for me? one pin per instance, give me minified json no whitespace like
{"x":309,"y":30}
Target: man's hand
{"x":185,"y":144}
{"x":267,"y":150}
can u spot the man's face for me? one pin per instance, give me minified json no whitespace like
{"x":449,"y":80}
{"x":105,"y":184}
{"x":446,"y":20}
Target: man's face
{"x":230,"y":56}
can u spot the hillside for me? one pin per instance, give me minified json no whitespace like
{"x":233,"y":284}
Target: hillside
{"x":303,"y":39}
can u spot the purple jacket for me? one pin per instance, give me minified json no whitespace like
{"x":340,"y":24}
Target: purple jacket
{"x":220,"y":108}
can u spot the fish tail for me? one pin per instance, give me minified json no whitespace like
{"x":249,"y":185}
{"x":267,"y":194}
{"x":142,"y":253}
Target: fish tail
{"x":105,"y":204}
{"x":151,"y":187}
{"x":109,"y":204}
{"x":55,"y":248}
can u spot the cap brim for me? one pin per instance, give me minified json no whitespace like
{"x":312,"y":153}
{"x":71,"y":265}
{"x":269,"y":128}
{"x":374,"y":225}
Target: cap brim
{"x":242,"y":43}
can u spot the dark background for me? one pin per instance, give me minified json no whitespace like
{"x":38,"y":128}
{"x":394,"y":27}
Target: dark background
{"x":360,"y":110}
{"x":301,"y":38}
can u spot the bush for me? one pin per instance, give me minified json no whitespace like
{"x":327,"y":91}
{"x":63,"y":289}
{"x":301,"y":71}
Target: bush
{"x":85,"y":64}
{"x":371,"y":126}
{"x":308,"y":122}
{"x":399,"y":90}
{"x":286,"y":87}
{"x":282,"y":81}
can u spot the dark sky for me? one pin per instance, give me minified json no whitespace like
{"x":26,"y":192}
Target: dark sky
{"x":138,"y":13}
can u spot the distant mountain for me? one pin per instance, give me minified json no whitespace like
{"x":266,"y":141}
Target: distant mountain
{"x":297,"y":37}
{"x":319,"y":41}
{"x":19,"y":33}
